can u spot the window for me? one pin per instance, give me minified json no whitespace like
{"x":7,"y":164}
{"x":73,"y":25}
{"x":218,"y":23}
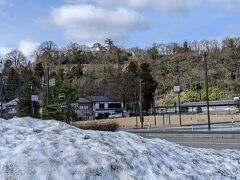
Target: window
{"x":115,"y":106}
{"x":101,"y":106}
{"x":83,"y":107}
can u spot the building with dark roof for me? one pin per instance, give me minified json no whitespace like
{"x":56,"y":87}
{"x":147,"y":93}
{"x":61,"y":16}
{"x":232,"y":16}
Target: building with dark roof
{"x":211,"y":103}
{"x":98,"y":107}
{"x":102,"y":99}
{"x":226,"y":106}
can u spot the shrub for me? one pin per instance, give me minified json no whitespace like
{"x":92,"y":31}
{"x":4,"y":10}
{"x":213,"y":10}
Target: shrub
{"x":99,"y":126}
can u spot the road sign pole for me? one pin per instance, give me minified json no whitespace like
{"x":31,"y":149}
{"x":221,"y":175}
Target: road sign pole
{"x":206,"y":84}
{"x":179,"y":108}
{"x":177,"y":90}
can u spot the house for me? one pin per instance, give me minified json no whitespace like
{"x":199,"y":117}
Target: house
{"x":84,"y":108}
{"x":98,"y":107}
{"x":108,"y":44}
{"x":226,"y":106}
{"x":9,"y":109}
{"x":97,"y":47}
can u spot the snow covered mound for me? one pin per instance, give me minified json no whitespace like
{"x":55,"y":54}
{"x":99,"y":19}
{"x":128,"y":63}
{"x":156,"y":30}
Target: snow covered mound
{"x":35,"y":149}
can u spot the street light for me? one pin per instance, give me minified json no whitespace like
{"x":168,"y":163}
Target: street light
{"x":206,"y":85}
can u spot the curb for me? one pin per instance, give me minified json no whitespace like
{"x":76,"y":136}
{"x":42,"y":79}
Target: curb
{"x":165,"y":135}
{"x":188,"y":134}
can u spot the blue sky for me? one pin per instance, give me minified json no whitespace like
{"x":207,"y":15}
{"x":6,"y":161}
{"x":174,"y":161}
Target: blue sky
{"x":26,"y":23}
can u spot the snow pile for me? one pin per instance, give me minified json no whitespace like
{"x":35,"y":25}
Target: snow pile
{"x":35,"y":149}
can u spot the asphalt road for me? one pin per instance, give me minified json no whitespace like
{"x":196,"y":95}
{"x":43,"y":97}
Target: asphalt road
{"x":214,"y":127}
{"x":222,"y":136}
{"x":212,"y":143}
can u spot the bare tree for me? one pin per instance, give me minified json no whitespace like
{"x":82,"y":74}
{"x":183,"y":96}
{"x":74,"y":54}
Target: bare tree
{"x":46,"y":52}
{"x":17,"y":58}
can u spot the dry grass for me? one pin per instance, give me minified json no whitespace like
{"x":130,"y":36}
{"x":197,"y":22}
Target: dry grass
{"x":150,"y":120}
{"x":98,"y":126}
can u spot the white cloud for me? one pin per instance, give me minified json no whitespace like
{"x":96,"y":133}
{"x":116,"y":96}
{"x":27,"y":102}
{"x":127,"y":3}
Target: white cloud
{"x":89,"y":23}
{"x":28,"y":47}
{"x":170,"y":6}
{"x":4,"y":51}
{"x":232,"y":5}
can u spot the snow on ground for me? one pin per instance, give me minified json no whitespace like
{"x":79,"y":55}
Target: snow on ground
{"x":35,"y":149}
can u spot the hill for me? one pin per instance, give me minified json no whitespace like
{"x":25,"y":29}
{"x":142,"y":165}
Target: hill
{"x":116,"y":71}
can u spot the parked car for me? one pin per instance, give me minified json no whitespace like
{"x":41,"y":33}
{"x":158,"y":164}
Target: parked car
{"x":146,"y":113}
{"x":100,"y":116}
{"x":115,"y":115}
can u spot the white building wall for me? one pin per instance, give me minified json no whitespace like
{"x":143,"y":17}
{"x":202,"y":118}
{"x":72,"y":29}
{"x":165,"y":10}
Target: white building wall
{"x":106,"y":105}
{"x":96,"y":106}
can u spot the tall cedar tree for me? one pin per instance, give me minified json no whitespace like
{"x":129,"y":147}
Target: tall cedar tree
{"x":13,"y":85}
{"x":39,"y":70}
{"x":25,"y":105}
{"x":149,"y":86}
{"x":131,"y":83}
{"x":53,"y":111}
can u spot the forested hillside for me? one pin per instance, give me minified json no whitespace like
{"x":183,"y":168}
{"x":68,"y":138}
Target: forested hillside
{"x":117,"y":72}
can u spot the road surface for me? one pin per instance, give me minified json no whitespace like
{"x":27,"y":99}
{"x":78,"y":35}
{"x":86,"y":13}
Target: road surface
{"x":222,"y":136}
{"x":212,"y":143}
{"x":214,"y":127}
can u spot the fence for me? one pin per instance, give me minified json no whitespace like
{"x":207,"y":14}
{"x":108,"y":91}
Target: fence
{"x":187,"y":119}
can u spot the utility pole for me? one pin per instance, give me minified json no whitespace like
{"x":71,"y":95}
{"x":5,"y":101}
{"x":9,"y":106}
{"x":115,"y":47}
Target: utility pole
{"x":140,"y":101}
{"x":32,"y":110}
{"x":47,"y":85}
{"x":177,"y":89}
{"x":135,"y":107}
{"x":1,"y":95}
{"x":154,"y":111}
{"x":179,"y":104}
{"x":206,"y":85}
{"x":1,"y":74}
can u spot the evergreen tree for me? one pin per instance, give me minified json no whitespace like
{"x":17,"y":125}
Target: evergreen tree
{"x":152,"y":53}
{"x":52,"y":110}
{"x":39,"y":70}
{"x":25,"y":106}
{"x":131,"y":83}
{"x":13,"y":85}
{"x":7,"y":67}
{"x":27,"y":75}
{"x":149,"y":86}
{"x":185,"y":48}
